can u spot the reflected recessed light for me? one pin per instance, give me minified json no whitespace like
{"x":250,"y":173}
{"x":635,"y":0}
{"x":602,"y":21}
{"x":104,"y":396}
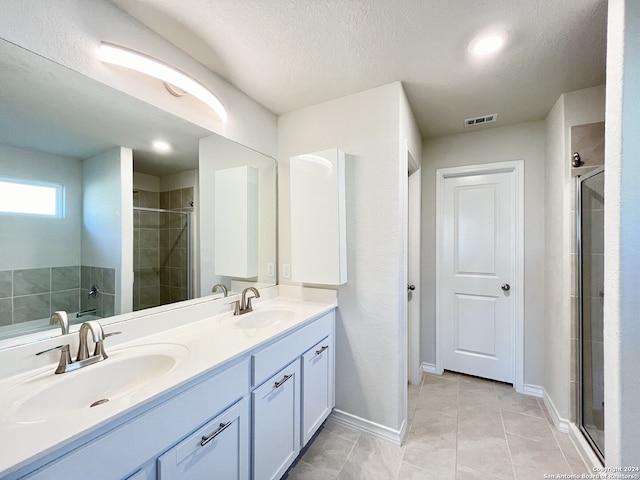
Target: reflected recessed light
{"x":487,"y":43}
{"x":161,"y":146}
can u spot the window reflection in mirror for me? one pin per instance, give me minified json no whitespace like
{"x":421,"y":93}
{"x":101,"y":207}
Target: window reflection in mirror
{"x":132,"y":215}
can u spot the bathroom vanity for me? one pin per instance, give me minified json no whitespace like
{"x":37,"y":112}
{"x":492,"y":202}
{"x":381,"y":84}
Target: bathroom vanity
{"x":202,"y":391}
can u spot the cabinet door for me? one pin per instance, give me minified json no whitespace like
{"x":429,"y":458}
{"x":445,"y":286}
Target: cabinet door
{"x":217,"y":450}
{"x":317,"y":387}
{"x":276,"y":423}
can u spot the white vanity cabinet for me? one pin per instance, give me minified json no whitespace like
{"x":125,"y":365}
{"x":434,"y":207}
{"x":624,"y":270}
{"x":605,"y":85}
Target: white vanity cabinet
{"x":289,"y":407}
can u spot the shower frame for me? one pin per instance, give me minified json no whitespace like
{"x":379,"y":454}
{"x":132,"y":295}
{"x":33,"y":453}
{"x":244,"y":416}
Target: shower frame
{"x":579,"y":312}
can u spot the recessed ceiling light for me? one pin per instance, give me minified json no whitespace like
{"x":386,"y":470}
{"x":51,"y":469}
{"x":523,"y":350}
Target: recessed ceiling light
{"x":161,"y":146}
{"x":487,"y":43}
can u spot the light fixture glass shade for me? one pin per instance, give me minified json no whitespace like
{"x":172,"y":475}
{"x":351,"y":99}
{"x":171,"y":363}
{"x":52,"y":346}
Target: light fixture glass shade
{"x":139,"y":62}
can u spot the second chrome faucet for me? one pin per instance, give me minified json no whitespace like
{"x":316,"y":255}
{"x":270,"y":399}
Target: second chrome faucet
{"x":244,"y":305}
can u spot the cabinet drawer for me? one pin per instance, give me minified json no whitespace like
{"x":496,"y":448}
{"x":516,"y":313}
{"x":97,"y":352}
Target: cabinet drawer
{"x":270,"y":359}
{"x":220,"y":446}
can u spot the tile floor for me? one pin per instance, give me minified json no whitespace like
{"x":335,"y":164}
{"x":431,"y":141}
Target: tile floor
{"x":460,"y":428}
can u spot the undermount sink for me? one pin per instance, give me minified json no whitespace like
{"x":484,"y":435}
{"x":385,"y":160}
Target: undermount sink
{"x":263,"y":317}
{"x":125,"y":372}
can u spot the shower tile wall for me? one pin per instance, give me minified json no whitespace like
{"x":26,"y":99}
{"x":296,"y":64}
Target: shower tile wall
{"x":588,"y":141}
{"x":35,"y":293}
{"x":160,"y":247}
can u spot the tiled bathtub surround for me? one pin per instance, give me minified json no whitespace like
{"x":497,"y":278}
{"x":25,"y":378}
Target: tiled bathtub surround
{"x":35,"y":293}
{"x":160,"y":247}
{"x":460,"y":428}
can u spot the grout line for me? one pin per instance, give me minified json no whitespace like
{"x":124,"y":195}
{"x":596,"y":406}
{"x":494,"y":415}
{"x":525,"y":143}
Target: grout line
{"x":506,"y":439}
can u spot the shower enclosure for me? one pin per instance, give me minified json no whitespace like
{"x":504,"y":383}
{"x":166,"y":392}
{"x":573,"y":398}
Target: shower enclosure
{"x":161,"y":256}
{"x":590,"y":235}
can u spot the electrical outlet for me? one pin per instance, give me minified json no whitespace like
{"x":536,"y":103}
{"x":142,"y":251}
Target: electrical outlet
{"x":286,"y":270}
{"x":270,"y":270}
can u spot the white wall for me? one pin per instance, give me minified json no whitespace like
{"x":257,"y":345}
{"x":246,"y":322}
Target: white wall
{"x":573,"y":108}
{"x":33,"y":242}
{"x":107,"y":219}
{"x":370,"y":348}
{"x":69,"y":32}
{"x":517,"y":142}
{"x":622,"y":236}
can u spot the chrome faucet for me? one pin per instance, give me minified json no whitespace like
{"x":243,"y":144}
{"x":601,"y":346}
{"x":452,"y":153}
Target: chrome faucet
{"x":83,"y":359}
{"x":221,"y":287}
{"x":244,"y":306}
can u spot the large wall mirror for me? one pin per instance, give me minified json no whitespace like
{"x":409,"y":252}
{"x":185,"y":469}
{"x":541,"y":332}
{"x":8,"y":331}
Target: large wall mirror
{"x":98,"y":221}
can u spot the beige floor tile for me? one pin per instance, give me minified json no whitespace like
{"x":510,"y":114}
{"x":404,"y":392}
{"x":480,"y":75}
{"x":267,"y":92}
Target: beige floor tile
{"x":475,"y":425}
{"x":466,"y":473}
{"x":476,"y":402}
{"x":304,"y":471}
{"x":409,"y":472}
{"x":516,"y":402}
{"x":428,"y":424}
{"x":537,"y":455}
{"x":441,"y":404}
{"x":531,"y":473}
{"x":328,"y":452}
{"x":372,"y":458}
{"x":343,"y":431}
{"x":487,"y":455}
{"x":578,"y":467}
{"x":535,"y":428}
{"x":434,"y":455}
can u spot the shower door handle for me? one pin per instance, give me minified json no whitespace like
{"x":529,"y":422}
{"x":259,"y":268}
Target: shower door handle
{"x":506,"y":287}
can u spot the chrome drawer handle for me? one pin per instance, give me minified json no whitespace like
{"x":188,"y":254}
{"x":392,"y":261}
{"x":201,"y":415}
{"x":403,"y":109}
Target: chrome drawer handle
{"x":219,"y":430}
{"x":281,"y":382}
{"x":324,"y":347}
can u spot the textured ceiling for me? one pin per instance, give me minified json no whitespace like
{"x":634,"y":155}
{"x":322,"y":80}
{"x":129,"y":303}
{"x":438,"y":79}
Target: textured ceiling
{"x":289,"y":54}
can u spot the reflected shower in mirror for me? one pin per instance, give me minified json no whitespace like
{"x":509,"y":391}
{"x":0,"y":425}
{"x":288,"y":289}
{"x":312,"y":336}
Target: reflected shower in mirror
{"x":130,"y":214}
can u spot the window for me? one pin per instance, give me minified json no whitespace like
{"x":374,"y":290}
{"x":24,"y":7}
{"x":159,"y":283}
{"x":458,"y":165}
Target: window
{"x":26,"y":197}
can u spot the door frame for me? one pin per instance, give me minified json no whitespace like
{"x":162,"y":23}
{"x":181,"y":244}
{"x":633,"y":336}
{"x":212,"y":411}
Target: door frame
{"x":517,"y":168}
{"x":413,"y":229}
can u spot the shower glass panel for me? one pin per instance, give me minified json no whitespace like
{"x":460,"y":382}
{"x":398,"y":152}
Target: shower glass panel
{"x":161,"y":257}
{"x":591,"y":273}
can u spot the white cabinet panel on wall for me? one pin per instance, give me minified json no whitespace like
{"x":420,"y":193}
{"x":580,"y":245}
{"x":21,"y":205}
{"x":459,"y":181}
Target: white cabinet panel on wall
{"x":318,"y":221}
{"x":236,"y":211}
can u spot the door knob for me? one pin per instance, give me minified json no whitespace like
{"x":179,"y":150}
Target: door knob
{"x":411,"y":287}
{"x":506,"y":287}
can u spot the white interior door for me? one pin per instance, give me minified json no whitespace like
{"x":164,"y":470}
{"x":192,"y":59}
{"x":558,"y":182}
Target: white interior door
{"x":478,"y":247}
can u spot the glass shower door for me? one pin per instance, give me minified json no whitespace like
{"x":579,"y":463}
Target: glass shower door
{"x":591,"y":275}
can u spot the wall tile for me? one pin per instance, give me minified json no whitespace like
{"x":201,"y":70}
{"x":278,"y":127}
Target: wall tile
{"x":149,"y":277}
{"x":175,"y":199}
{"x":65,"y":278}
{"x":165,"y":200}
{"x":89,"y":303}
{"x":108,"y":305}
{"x":31,"y":307}
{"x":149,"y":238}
{"x":85,"y":277}
{"x":109,"y":280}
{"x":31,"y":281}
{"x":149,"y":297}
{"x":149,"y":199}
{"x":187,"y":197}
{"x":6,"y":311}
{"x":149,"y":219}
{"x":97,"y":277}
{"x":68,"y":300}
{"x":6,"y":284}
{"x":148,"y":258}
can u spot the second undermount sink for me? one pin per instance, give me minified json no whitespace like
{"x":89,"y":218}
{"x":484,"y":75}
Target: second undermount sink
{"x":264,"y":317}
{"x":125,"y":372}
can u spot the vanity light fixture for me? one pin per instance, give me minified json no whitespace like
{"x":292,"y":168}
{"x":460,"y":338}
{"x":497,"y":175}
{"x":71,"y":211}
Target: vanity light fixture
{"x":139,"y":62}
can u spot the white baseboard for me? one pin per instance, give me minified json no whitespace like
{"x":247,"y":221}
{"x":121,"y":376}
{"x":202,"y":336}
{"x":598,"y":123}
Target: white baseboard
{"x":367,"y":426}
{"x":533,"y":390}
{"x":562,"y":424}
{"x":428,"y":367}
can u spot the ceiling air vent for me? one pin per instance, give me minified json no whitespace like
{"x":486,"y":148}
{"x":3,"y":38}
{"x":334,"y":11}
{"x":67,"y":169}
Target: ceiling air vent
{"x":470,"y":122}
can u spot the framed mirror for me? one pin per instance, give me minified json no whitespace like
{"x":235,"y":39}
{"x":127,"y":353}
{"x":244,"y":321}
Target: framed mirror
{"x":137,"y":223}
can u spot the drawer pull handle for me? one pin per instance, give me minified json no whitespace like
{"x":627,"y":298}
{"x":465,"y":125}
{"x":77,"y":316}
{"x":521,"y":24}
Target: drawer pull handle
{"x":324,"y":347}
{"x":281,"y":382}
{"x":219,"y":430}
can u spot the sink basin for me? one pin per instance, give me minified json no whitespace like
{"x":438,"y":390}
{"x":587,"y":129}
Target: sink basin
{"x":125,"y":372}
{"x":263,"y":317}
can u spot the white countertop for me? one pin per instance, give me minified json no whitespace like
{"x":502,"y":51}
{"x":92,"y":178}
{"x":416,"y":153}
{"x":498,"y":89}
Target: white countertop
{"x":208,"y":342}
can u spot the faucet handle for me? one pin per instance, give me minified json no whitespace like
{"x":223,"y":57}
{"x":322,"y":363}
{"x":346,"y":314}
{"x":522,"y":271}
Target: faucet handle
{"x":236,"y":309}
